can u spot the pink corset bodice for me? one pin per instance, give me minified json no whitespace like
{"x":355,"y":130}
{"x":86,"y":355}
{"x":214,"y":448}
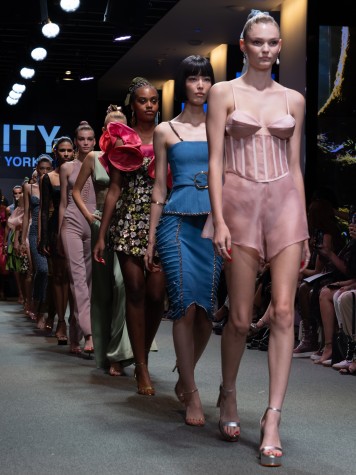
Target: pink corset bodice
{"x":255,"y":151}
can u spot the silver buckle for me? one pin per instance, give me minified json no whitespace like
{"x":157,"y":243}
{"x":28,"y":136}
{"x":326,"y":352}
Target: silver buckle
{"x":199,"y":182}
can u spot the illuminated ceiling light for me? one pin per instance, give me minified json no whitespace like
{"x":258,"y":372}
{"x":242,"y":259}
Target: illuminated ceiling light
{"x":68,"y":72}
{"x":38,"y":54}
{"x":68,"y":79}
{"x":27,"y":73}
{"x":11,"y":101}
{"x":69,"y":5}
{"x":15,"y":95}
{"x":87,"y":78}
{"x":121,"y":37}
{"x":50,"y":30}
{"x":19,"y":88}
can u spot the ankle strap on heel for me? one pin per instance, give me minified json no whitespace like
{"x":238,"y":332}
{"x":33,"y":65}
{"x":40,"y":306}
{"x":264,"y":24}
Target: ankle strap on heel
{"x":191,"y":392}
{"x":227,"y":390}
{"x":270,"y":408}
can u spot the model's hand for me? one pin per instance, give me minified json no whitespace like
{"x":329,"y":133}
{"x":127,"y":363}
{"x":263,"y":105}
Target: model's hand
{"x":98,"y":251}
{"x":20,"y":248}
{"x":352,"y":231}
{"x":305,"y":256}
{"x":149,"y":259}
{"x":222,"y":241}
{"x":91,"y":218}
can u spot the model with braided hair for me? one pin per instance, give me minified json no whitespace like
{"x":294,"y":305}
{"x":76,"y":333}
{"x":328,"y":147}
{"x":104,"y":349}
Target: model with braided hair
{"x":129,"y":158}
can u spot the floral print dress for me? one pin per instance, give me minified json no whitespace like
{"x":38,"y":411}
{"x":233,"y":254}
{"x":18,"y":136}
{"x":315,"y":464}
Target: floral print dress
{"x":131,"y":220}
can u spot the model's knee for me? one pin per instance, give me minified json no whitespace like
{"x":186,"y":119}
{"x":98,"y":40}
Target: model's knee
{"x":282,"y":315}
{"x":240,"y":326}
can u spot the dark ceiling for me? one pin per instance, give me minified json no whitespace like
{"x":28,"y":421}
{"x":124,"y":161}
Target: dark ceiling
{"x":85,"y":43}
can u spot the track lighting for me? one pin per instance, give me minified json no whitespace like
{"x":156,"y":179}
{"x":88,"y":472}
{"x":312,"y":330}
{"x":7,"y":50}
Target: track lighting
{"x":50,"y":30}
{"x":69,"y":5}
{"x":38,"y":54}
{"x":19,"y":88}
{"x":27,"y":73}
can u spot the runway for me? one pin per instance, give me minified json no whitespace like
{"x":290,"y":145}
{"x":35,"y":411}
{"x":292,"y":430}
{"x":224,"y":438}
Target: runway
{"x":61,"y":415}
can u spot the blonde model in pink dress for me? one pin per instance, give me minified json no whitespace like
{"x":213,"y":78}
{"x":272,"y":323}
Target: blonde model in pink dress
{"x":261,"y":205}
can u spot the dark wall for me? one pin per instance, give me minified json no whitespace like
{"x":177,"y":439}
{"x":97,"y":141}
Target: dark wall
{"x":43,"y":106}
{"x":327,"y":14}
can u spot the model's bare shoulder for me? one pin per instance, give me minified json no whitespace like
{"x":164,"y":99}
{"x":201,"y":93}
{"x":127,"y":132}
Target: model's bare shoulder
{"x":221,"y":94}
{"x":220,"y":88}
{"x":161,"y":129}
{"x":296,"y":97}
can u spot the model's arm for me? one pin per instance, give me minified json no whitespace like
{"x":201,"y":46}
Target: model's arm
{"x":26,"y":216}
{"x":218,"y":107}
{"x":159,"y":192}
{"x":46,"y":198}
{"x":86,"y":170}
{"x":64,"y":172}
{"x":111,"y":199}
{"x":297,"y":108}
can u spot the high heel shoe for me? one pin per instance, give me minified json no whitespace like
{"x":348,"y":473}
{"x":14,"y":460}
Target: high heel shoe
{"x":222,"y":425}
{"x":143,"y":390}
{"x":75,"y":349}
{"x":269,"y":460}
{"x":191,"y":421}
{"x":116,"y":369}
{"x":40,"y":321}
{"x":61,"y":332}
{"x":49,"y":324}
{"x":180,"y":396}
{"x":88,"y":347}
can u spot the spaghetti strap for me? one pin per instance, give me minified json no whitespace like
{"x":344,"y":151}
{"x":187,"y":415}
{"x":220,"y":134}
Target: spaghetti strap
{"x":233,"y":93}
{"x":174,"y":130}
{"x":287,"y":101}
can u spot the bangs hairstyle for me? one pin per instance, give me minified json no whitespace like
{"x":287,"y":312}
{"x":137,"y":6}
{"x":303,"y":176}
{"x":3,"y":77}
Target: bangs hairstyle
{"x":191,"y":66}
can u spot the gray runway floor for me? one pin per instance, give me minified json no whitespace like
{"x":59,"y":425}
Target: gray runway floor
{"x":61,"y":415}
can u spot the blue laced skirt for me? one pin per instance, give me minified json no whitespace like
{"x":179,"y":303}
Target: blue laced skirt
{"x":191,"y":267}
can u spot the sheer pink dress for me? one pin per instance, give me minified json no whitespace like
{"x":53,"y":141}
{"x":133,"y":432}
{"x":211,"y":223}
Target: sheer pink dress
{"x":261,"y":204}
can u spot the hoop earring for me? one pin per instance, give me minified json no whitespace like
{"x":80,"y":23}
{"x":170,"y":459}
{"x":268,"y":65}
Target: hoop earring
{"x":277,"y":61}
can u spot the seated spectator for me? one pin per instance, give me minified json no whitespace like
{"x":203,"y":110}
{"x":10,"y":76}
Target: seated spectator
{"x":324,"y":233}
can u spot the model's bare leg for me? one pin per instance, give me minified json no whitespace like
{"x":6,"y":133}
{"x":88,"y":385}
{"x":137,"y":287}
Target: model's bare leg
{"x":154,"y":306}
{"x":240,"y":277}
{"x":191,"y":334}
{"x":284,"y":271}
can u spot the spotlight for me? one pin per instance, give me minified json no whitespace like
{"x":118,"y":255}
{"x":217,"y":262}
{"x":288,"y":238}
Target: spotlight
{"x":19,"y":88}
{"x":69,"y":5}
{"x":50,"y":30}
{"x":15,"y":95}
{"x":38,"y":54}
{"x":27,"y":73}
{"x":10,"y":101}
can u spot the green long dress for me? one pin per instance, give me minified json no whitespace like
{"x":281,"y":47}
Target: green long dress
{"x":109,"y":331}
